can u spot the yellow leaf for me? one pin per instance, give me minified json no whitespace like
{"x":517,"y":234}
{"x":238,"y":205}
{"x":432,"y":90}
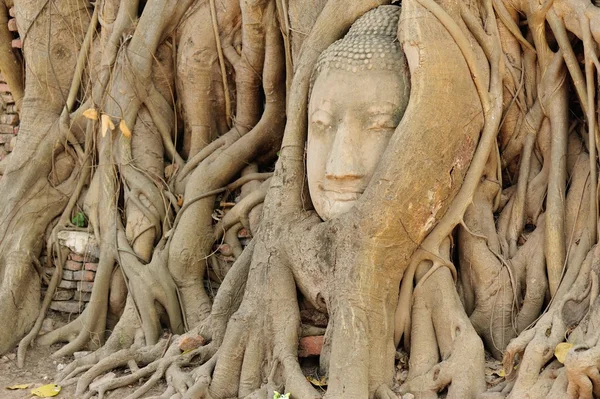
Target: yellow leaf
{"x":561,"y":351}
{"x":124,"y":129}
{"x":501,"y":373}
{"x":318,"y":383}
{"x":106,"y":124}
{"x":46,"y":391}
{"x":19,"y":386}
{"x":91,"y":113}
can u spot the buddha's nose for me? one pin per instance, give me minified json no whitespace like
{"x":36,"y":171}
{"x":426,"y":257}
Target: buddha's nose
{"x":345,"y":157}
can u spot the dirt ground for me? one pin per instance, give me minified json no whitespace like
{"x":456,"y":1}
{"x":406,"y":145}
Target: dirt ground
{"x":40,"y":369}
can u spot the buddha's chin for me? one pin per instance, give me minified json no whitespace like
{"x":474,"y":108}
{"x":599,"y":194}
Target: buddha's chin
{"x":331,"y":208}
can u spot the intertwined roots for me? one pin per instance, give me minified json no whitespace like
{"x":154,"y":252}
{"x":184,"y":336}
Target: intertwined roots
{"x":161,"y":124}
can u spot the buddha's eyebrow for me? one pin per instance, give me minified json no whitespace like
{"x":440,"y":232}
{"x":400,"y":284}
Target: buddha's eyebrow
{"x":320,"y":110}
{"x":382,"y":107}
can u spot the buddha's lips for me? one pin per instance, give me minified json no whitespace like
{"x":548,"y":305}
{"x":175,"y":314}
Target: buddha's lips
{"x":342,"y":195}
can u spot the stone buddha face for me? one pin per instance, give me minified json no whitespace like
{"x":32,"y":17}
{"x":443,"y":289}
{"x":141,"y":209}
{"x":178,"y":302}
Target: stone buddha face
{"x":355,"y":106}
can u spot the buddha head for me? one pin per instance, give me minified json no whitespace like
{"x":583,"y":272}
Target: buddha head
{"x":359,"y":91}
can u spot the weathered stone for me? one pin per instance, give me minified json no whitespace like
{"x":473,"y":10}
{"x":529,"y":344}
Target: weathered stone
{"x":91,"y":266}
{"x":85,"y":286}
{"x":314,"y":317}
{"x":10,"y":146}
{"x":47,"y":326}
{"x":76,"y":257}
{"x":73,"y":265}
{"x":84,"y":275}
{"x":17,"y":43}
{"x":68,"y":275}
{"x":82,"y":296}
{"x":4,"y":89}
{"x":67,"y":306}
{"x":7,"y":98}
{"x":62,"y":295}
{"x":191,"y":343}
{"x":10,"y":119}
{"x":68,"y":284}
{"x":80,"y":242}
{"x":6,"y":133}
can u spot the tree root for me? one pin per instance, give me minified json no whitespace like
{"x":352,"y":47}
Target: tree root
{"x":440,"y":322}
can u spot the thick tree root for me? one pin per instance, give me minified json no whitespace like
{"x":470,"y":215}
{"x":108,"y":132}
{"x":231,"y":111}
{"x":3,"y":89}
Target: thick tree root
{"x":440,"y":322}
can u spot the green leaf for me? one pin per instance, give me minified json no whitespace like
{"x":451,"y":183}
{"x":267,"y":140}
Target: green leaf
{"x":79,"y":219}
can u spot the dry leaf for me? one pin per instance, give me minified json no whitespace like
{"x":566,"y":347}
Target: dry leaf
{"x":124,"y":129}
{"x":19,"y":386}
{"x":46,"y":391}
{"x":106,"y":124}
{"x":561,"y":351}
{"x":318,"y":383}
{"x":501,"y":373}
{"x":91,"y":113}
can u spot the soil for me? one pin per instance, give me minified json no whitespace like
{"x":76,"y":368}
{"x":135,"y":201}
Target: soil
{"x":40,"y":369}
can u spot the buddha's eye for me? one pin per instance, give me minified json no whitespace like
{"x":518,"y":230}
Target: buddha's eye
{"x":321,"y":119}
{"x":381,"y":122}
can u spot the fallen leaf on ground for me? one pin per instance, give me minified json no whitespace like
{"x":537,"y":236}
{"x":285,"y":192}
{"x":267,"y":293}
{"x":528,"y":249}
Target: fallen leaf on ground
{"x":321,"y":382}
{"x":46,"y":391}
{"x":561,"y":351}
{"x":18,"y":386}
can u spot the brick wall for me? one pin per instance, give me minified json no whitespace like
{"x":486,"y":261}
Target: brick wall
{"x":9,"y":118}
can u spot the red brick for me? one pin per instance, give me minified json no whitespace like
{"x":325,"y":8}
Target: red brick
{"x":68,"y":275}
{"x":85,"y":286}
{"x":11,"y":119}
{"x":62,"y":295}
{"x":7,"y":98}
{"x":68,"y":284}
{"x":67,"y":306}
{"x":17,"y":43}
{"x":91,"y":266}
{"x":12,"y":25}
{"x":73,"y":265}
{"x":76,"y":257}
{"x":190,"y":343}
{"x":82,"y":296}
{"x":11,"y":145}
{"x":84,"y":275}
{"x":243,"y":233}
{"x":310,"y":346}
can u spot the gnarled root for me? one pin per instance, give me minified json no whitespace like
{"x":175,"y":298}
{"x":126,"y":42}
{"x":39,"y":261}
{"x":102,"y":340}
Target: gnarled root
{"x":536,"y":346}
{"x":439,"y":321}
